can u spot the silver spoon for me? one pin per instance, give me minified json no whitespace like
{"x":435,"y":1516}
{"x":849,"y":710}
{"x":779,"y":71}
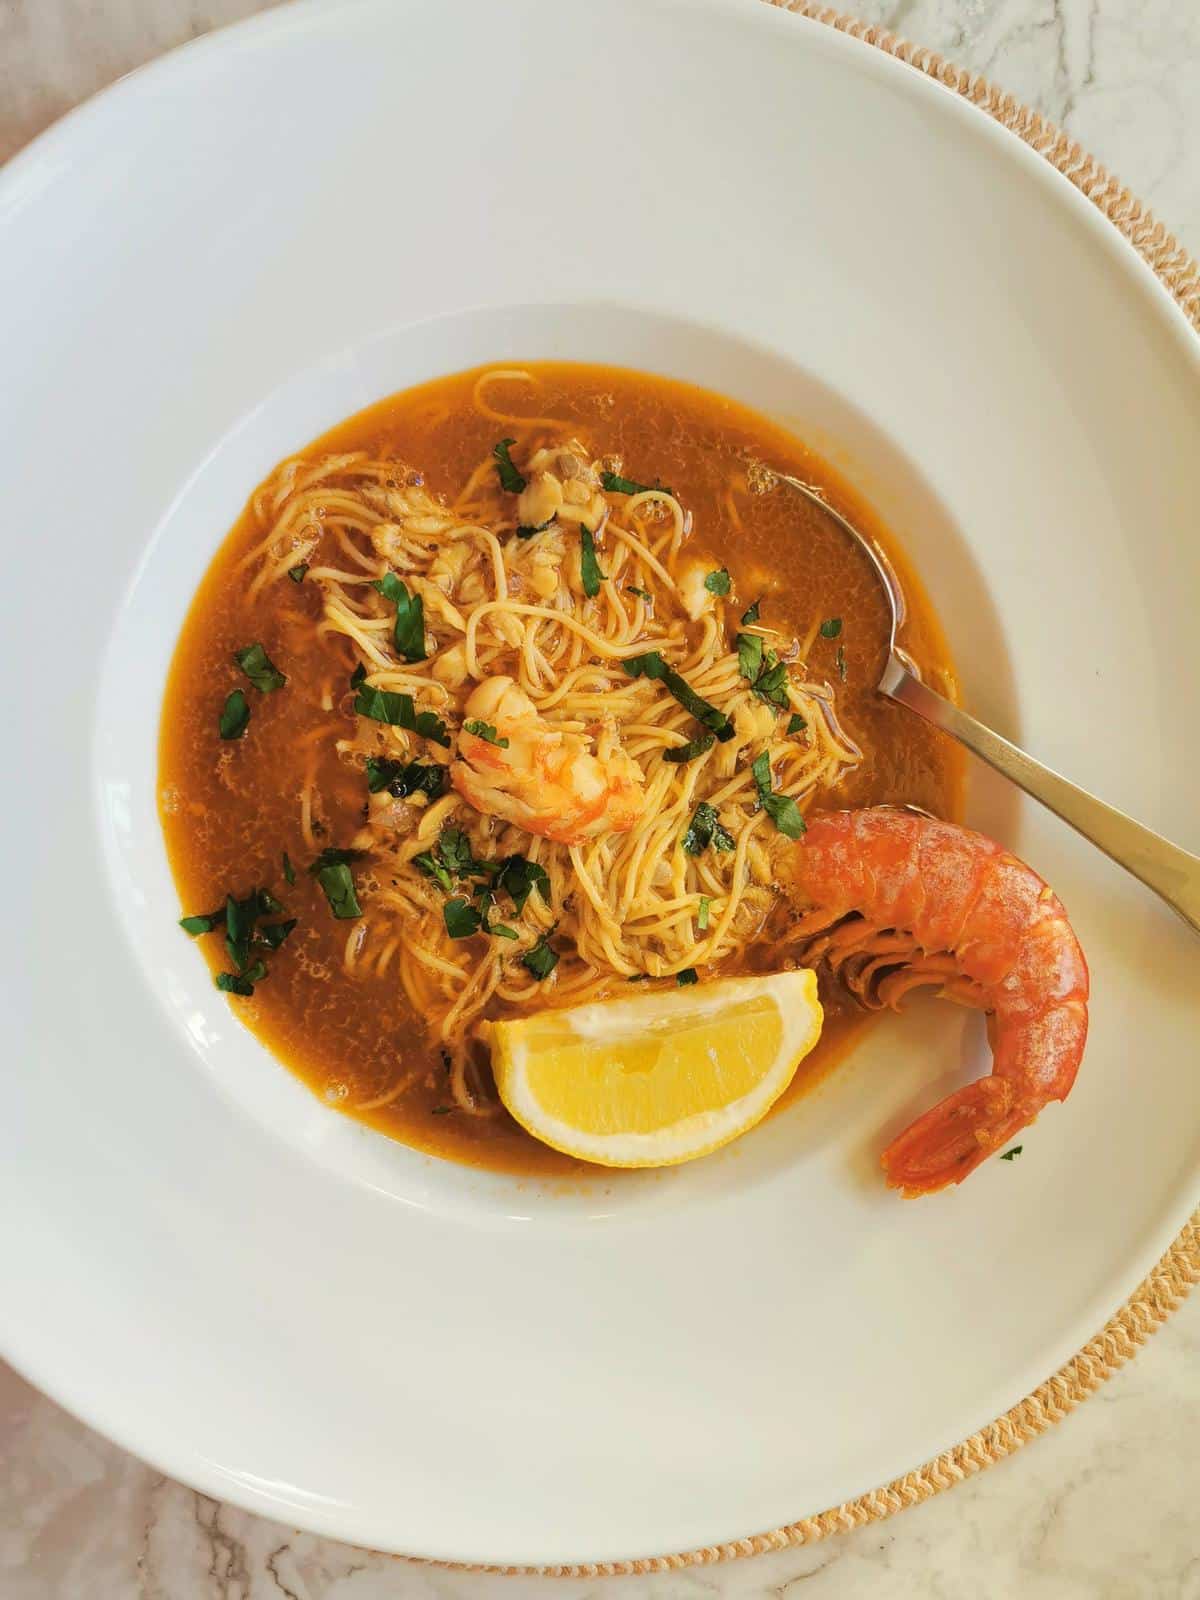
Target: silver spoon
{"x":1172,"y":873}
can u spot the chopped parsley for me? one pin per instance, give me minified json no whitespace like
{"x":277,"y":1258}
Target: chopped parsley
{"x":542,"y":959}
{"x":614,"y":483}
{"x":831,"y":627}
{"x":241,"y":982}
{"x":331,"y":869}
{"x":401,"y":778}
{"x":766,"y":674}
{"x":455,"y":850}
{"x":433,"y":868}
{"x":687,"y":976}
{"x":245,"y":936}
{"x":840,"y":662}
{"x":486,"y":901}
{"x":297,"y":573}
{"x":589,"y":567}
{"x":398,"y":710}
{"x":771,"y":684}
{"x":409,"y":630}
{"x":781,"y":808}
{"x":796,"y":724}
{"x":1011,"y":1155}
{"x":235,"y":716}
{"x":518,"y":878}
{"x":704,"y":829}
{"x":640,"y":594}
{"x":337,"y":881}
{"x":526,"y":532}
{"x":510,"y":479}
{"x":289,"y":871}
{"x":751,"y":613}
{"x":514,"y":876}
{"x":240,"y":916}
{"x":273,"y":934}
{"x":689,"y":751}
{"x":750,"y":655}
{"x":451,"y":858}
{"x":718,"y":582}
{"x":486,"y":732}
{"x":652,"y":665}
{"x":461,"y":918}
{"x":702,"y":913}
{"x":259,"y":668}
{"x":331,"y":856}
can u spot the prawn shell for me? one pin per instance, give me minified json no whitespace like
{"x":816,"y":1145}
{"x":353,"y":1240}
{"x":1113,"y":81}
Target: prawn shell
{"x":940,"y":898}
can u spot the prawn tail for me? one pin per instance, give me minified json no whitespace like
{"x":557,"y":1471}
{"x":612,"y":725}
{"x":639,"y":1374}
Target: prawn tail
{"x":950,"y":1140}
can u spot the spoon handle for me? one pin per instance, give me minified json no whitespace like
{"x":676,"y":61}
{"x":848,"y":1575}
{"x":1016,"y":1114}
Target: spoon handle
{"x":1172,"y":873}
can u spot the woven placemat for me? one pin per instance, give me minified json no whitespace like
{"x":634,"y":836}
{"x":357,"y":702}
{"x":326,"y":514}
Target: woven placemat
{"x":1165,"y":1288}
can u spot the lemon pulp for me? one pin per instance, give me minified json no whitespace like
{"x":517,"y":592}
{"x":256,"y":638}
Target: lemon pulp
{"x":657,"y":1078}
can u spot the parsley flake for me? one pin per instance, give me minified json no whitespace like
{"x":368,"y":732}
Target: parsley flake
{"x":402,"y":778}
{"x":241,"y":982}
{"x":398,"y":710}
{"x":652,"y":665}
{"x":781,"y":808}
{"x":461,"y":918}
{"x":337,"y":881}
{"x":589,"y":567}
{"x":704,"y":829}
{"x":235,"y":716}
{"x":614,"y":483}
{"x":766,"y":674}
{"x":693,"y":748}
{"x":408,"y":632}
{"x":1011,"y":1155}
{"x":259,"y":668}
{"x":432,"y":868}
{"x":542,"y":959}
{"x":526,"y":532}
{"x":718,"y":582}
{"x":331,"y":869}
{"x":486,"y":732}
{"x":518,"y":878}
{"x":831,"y":627}
{"x":510,"y":479}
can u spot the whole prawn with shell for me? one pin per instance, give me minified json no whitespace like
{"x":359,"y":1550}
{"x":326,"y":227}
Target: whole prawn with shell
{"x":889,"y":902}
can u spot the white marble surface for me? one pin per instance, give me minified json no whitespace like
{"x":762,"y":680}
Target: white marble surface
{"x":1106,"y":1505}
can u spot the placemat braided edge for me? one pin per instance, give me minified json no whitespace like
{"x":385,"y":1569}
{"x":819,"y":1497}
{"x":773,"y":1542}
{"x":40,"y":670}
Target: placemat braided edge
{"x":1164,"y":1290}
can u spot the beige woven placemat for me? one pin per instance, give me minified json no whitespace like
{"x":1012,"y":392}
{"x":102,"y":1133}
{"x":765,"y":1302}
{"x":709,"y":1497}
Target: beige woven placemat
{"x":1162,"y":1292}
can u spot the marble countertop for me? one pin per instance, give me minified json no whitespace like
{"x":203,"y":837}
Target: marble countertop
{"x":1106,"y":1504}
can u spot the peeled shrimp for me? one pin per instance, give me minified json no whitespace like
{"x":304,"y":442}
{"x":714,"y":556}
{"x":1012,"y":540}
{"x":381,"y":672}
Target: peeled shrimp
{"x":899,"y":901}
{"x":545,"y":780}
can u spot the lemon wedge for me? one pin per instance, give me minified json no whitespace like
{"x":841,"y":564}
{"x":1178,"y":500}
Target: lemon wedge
{"x":659,"y":1078}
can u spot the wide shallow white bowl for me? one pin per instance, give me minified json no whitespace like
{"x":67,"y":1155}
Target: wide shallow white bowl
{"x":205,"y":267}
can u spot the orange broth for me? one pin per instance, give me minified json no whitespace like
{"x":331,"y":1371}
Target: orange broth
{"x":230,"y":810}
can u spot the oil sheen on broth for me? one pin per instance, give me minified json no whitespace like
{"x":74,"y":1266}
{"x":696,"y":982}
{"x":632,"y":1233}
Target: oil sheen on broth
{"x":230,"y":809}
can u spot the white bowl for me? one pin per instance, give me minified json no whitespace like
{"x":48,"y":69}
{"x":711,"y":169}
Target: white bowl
{"x":208,"y":265}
